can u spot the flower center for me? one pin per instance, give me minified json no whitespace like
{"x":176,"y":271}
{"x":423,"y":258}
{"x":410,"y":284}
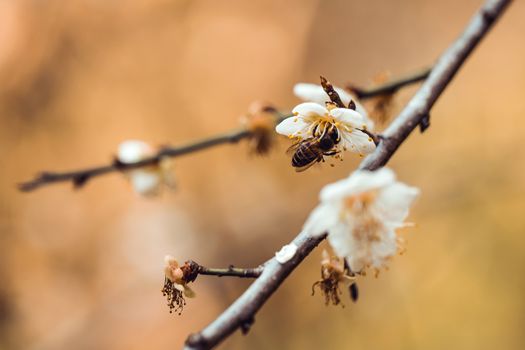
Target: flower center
{"x":358,"y":208}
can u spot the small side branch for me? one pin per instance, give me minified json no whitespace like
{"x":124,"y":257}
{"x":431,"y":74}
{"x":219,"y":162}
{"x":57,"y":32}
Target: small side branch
{"x":232,"y":272}
{"x":390,"y":87}
{"x":80,"y":177}
{"x":192,"y":269}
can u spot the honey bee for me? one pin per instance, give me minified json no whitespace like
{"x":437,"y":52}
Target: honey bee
{"x":309,"y":151}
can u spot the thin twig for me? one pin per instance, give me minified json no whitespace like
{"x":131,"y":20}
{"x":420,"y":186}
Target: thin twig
{"x":389,"y":87}
{"x":232,"y":272}
{"x":80,"y":177}
{"x":243,"y":310}
{"x":192,"y":269}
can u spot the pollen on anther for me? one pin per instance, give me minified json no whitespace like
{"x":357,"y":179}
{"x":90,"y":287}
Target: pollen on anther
{"x":296,"y":113}
{"x":370,"y":139}
{"x":295,"y":120}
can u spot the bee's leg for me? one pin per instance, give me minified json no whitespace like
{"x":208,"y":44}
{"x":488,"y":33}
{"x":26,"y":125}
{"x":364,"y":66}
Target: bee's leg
{"x":331,"y":153}
{"x":314,"y":131}
{"x":325,"y":131}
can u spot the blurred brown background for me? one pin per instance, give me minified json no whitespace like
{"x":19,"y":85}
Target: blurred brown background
{"x":83,"y":269}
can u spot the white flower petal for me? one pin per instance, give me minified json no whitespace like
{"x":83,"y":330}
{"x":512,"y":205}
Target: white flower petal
{"x":348,"y":117}
{"x":358,"y":182}
{"x":170,"y":261}
{"x":178,"y":287}
{"x":341,"y":239}
{"x":346,"y":97}
{"x":145,"y":182}
{"x":358,"y":142}
{"x":382,"y":250}
{"x":322,"y":218}
{"x":133,"y":151}
{"x":188,"y":292}
{"x":310,"y":110}
{"x":315,"y":93}
{"x":286,"y":253}
{"x":394,"y":201}
{"x":311,"y":93}
{"x":291,"y":126}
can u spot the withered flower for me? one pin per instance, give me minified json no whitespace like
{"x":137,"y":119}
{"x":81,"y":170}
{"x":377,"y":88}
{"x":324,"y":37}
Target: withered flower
{"x":333,"y":274}
{"x":175,"y":285}
{"x":260,"y":121}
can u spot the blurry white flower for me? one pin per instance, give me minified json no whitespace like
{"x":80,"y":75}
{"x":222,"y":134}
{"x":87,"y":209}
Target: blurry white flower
{"x":132,"y":151}
{"x":315,"y":93}
{"x":361,"y":214}
{"x":312,"y":120}
{"x":286,"y":253}
{"x":145,"y":180}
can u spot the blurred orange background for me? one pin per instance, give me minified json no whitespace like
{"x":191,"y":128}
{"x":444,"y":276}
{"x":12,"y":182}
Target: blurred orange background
{"x":83,"y":269}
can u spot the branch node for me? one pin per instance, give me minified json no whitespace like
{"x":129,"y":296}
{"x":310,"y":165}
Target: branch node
{"x":191,"y":270}
{"x":425,"y":123}
{"x":80,"y":180}
{"x":247,"y":324}
{"x":376,"y":138}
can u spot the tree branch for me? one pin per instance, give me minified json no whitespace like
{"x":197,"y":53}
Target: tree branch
{"x":80,"y":177}
{"x":242,"y":312}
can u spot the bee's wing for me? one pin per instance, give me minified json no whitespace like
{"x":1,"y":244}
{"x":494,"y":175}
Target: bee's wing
{"x":303,"y":168}
{"x":291,"y":150}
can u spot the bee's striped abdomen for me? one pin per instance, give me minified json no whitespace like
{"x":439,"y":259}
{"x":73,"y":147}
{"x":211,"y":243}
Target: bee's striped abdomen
{"x":304,"y":155}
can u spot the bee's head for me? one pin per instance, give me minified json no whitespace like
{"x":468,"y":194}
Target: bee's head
{"x":326,"y":142}
{"x":330,"y":138}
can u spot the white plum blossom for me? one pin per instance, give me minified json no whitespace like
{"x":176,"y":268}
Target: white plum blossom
{"x":361,"y":214}
{"x":312,"y":120}
{"x":286,"y":253}
{"x":315,"y":93}
{"x":148,"y":180}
